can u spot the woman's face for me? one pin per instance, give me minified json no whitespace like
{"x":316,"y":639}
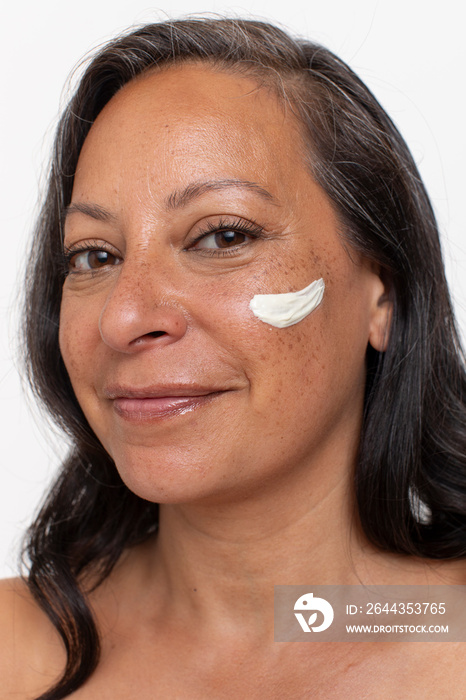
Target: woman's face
{"x":191,"y":196}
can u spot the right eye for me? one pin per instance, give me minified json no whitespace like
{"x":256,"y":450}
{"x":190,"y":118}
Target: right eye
{"x":90,"y":259}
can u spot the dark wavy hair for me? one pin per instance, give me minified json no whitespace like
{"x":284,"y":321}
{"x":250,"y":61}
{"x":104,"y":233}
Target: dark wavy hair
{"x":413,"y":442}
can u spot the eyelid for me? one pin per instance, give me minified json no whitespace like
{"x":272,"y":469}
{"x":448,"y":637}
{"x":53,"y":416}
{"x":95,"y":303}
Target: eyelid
{"x":247,"y":227}
{"x":90,"y":244}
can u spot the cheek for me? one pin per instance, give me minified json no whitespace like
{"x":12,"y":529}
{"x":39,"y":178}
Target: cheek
{"x":295,"y":359}
{"x":78,"y":337}
{"x":280,"y":363}
{"x":318,"y":365}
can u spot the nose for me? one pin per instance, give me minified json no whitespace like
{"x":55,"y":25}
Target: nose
{"x":141,"y":311}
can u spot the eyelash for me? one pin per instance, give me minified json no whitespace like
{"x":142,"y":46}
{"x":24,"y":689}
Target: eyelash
{"x":248,"y":228}
{"x":70,"y":253}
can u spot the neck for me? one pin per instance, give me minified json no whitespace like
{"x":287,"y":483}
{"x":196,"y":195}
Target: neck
{"x":207,"y":556}
{"x":216,"y":563}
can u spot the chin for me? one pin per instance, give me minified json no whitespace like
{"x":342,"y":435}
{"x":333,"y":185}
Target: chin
{"x":166,"y":479}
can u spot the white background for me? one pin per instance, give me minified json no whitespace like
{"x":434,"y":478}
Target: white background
{"x":411,"y":53}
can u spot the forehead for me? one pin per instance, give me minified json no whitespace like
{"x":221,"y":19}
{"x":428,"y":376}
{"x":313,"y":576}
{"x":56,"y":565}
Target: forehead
{"x":194,"y":121}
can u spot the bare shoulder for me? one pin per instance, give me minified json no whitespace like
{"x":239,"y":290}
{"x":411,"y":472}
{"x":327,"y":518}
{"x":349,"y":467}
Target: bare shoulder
{"x":31,"y":653}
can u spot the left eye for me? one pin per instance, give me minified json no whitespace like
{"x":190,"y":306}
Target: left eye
{"x":92,"y":260}
{"x":222,"y":239}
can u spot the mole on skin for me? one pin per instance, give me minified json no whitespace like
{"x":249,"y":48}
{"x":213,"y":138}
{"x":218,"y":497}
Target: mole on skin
{"x":283,"y":310}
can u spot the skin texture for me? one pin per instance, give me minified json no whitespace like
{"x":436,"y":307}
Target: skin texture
{"x":244,"y":433}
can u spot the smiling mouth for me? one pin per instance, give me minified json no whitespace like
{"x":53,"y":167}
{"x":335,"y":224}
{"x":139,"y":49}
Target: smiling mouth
{"x":147,"y":408}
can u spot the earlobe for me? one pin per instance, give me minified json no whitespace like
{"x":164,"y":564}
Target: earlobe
{"x":379,"y":329}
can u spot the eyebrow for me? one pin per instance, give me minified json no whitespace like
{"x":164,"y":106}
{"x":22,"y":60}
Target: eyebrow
{"x":93,"y":210}
{"x":181,"y":198}
{"x":176,"y":200}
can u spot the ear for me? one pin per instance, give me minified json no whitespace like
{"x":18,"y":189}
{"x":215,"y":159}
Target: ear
{"x":382,"y":310}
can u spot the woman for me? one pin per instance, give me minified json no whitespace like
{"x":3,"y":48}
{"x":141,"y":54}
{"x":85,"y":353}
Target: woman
{"x":200,"y":165}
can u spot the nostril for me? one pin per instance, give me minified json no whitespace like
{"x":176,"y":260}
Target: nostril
{"x":126,"y":326}
{"x":143,"y":339}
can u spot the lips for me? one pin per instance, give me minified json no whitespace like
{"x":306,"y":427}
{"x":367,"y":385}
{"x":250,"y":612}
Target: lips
{"x":159,"y":402}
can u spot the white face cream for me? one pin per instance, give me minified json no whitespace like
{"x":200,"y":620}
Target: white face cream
{"x":283,"y":310}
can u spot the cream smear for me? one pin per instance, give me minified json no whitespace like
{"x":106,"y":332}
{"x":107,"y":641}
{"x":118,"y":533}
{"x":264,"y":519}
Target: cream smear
{"x":283,"y":310}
